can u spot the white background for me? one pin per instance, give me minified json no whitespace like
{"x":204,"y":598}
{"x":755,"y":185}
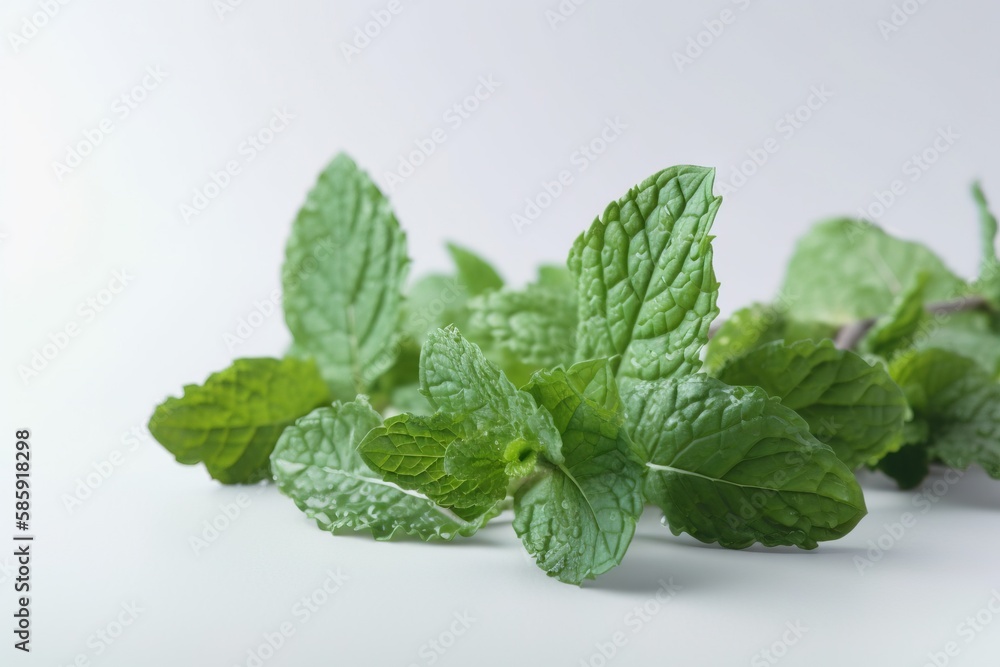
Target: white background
{"x":62,"y":239}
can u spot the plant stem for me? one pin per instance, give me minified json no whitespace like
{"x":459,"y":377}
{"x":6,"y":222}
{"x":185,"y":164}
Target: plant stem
{"x":849,"y":335}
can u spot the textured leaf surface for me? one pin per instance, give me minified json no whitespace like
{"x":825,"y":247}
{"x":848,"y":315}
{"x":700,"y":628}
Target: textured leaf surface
{"x":646,"y":287}
{"x":849,"y":404}
{"x":846,"y":270}
{"x":232,"y":422}
{"x":535,"y":326}
{"x":345,"y":264}
{"x":458,"y":379}
{"x":756,"y":325}
{"x":316,"y":463}
{"x":960,"y":404}
{"x":733,"y":466}
{"x":410,"y":452}
{"x":578,"y":518}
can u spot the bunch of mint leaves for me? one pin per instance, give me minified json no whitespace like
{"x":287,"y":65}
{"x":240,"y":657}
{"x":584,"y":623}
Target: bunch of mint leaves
{"x":601,"y":387}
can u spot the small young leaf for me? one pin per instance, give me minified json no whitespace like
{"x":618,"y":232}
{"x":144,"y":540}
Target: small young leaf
{"x":646,"y":286}
{"x":959,"y":402}
{"x":578,"y":517}
{"x":344,"y":269}
{"x":458,"y":379}
{"x":846,"y":270}
{"x":849,"y":404}
{"x":410,"y":452}
{"x":474,"y":272}
{"x":733,"y":466}
{"x":232,"y":422}
{"x":316,"y":463}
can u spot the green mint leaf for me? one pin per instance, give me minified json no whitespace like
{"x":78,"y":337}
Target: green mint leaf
{"x":756,"y":325}
{"x":577,"y":517}
{"x":410,"y":452}
{"x":989,"y":270}
{"x":733,"y":466}
{"x":434,"y":302}
{"x":958,"y":401}
{"x":475,"y":273}
{"x":968,"y":334}
{"x":646,"y":286}
{"x":898,"y":330}
{"x":457,"y":379}
{"x":846,"y":270}
{"x":232,"y":421}
{"x":345,"y":264}
{"x":849,"y":404}
{"x":535,"y":326}
{"x":908,"y":466}
{"x":317,"y":465}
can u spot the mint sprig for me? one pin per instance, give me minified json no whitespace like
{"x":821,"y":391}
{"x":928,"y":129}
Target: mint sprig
{"x":427,"y":410}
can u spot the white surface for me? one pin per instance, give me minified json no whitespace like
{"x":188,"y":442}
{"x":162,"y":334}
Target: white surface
{"x":63,"y":240}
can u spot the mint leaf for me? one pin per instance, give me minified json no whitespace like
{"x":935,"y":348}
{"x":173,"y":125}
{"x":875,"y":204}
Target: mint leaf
{"x":989,"y":269}
{"x":457,"y":379}
{"x":474,"y":272}
{"x":733,"y":466}
{"x":646,"y":286}
{"x":958,"y":400}
{"x":577,"y":517}
{"x":535,"y":327}
{"x":232,"y":421}
{"x":969,"y":334}
{"x":899,"y":328}
{"x":410,"y":452}
{"x":316,"y":463}
{"x":344,"y":269}
{"x":756,"y":325}
{"x":846,"y":270}
{"x":849,"y":404}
